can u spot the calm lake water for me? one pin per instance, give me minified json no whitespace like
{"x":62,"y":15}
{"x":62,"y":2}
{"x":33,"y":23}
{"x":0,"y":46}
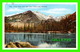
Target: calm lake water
{"x":43,"y":40}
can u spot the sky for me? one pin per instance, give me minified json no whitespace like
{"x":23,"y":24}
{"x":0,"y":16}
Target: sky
{"x":54,"y":9}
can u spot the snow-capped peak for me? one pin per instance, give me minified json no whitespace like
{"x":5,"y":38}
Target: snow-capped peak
{"x":50,"y":17}
{"x":40,"y":15}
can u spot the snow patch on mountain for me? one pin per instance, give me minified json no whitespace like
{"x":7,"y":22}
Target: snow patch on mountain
{"x":40,"y":15}
{"x":50,"y":17}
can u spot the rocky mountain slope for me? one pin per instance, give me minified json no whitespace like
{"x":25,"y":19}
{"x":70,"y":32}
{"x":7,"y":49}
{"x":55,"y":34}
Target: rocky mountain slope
{"x":28,"y":16}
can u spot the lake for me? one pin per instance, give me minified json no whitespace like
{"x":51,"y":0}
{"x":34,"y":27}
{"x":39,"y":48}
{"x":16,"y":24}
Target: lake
{"x":43,"y":40}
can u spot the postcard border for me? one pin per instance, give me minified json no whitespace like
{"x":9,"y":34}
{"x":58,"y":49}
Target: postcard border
{"x":3,"y":11}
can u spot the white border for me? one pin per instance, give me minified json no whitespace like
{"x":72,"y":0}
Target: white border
{"x":3,"y":9}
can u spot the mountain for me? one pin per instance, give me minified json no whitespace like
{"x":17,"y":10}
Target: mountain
{"x":28,"y":16}
{"x":28,"y":19}
{"x":59,"y":18}
{"x":33,"y":21}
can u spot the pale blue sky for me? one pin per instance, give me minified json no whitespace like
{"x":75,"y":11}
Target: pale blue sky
{"x":47,"y":9}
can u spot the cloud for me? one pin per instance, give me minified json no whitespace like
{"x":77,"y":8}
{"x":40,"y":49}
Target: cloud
{"x":58,"y":11}
{"x":14,"y":10}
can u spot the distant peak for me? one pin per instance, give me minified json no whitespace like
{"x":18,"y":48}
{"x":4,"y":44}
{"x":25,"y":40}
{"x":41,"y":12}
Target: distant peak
{"x":29,"y":11}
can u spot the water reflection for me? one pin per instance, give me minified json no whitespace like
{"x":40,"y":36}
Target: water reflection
{"x":41,"y":39}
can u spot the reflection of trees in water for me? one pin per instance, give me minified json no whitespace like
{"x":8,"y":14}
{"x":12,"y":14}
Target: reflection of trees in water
{"x":36,"y":37}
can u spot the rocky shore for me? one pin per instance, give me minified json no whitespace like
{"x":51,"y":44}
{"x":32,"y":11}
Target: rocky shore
{"x":19,"y":45}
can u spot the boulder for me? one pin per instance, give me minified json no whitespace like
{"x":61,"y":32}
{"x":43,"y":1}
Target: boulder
{"x":20,"y":45}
